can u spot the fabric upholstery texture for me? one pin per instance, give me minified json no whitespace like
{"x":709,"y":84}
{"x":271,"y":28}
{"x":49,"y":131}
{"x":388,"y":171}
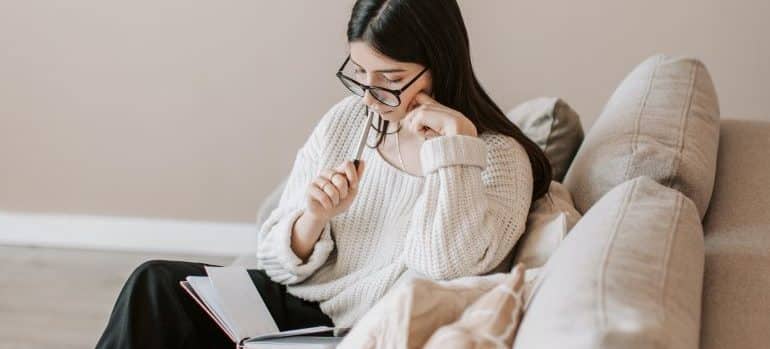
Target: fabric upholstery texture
{"x":662,"y":122}
{"x":554,"y":126}
{"x":736,"y":284}
{"x":628,"y":275}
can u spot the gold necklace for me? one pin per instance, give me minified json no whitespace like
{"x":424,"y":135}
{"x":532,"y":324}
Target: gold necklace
{"x":398,"y":148}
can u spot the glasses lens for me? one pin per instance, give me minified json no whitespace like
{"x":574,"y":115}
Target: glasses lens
{"x":352,"y":86}
{"x":386,"y":97}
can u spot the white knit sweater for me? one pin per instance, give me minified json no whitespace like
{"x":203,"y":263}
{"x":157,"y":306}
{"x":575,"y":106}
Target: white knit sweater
{"x":460,"y":218}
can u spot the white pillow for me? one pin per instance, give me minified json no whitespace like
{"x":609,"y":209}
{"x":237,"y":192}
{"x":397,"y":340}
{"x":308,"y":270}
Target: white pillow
{"x":549,"y":220}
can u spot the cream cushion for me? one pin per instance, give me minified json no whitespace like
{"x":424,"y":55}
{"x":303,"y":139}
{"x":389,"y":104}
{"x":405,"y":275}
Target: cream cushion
{"x":628,"y":275}
{"x":548,"y":221}
{"x":662,"y":122}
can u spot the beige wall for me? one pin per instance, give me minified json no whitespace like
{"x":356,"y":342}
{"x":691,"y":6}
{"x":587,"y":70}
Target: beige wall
{"x":195,"y":109}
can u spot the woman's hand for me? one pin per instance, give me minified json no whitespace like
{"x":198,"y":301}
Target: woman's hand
{"x":332,"y":192}
{"x":429,"y":118}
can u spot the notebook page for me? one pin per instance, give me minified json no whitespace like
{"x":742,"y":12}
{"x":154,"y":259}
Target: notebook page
{"x":240,"y":301}
{"x":202,"y":293}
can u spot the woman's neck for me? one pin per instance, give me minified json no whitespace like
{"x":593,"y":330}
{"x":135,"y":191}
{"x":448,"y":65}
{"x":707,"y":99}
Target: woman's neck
{"x":393,"y":126}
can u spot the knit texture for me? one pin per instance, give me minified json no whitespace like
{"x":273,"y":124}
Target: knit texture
{"x":460,"y":218}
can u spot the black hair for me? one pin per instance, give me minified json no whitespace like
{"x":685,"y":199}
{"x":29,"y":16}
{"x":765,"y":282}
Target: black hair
{"x":432,"y":33}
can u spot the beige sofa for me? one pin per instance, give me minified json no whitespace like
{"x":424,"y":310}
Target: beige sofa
{"x":735,"y":306}
{"x":736,"y":284}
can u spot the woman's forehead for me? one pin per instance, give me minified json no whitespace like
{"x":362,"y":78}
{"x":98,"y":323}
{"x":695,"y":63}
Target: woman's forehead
{"x":364,"y":56}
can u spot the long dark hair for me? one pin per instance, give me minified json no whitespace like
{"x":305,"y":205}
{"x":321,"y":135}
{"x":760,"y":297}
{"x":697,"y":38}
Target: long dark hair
{"x":432,"y":33}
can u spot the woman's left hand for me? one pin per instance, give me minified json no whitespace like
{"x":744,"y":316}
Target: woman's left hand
{"x":431,"y":119}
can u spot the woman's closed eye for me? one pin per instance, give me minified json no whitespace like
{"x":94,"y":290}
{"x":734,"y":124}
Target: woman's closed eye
{"x":359,"y":73}
{"x":391,"y":81}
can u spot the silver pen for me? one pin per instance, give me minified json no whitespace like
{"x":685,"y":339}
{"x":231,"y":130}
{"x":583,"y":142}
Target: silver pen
{"x":364,"y":137}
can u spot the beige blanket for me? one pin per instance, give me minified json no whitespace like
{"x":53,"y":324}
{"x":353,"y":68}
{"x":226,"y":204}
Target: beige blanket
{"x":470,"y":312}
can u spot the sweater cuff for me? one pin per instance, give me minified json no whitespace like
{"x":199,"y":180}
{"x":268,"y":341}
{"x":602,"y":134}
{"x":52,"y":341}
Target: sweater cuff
{"x":451,"y":150}
{"x":279,"y":260}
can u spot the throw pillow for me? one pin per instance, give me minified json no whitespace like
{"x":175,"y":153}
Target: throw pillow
{"x":554,"y":126}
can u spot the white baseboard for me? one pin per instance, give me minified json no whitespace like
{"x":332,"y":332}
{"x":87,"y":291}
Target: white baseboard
{"x":127,"y":234}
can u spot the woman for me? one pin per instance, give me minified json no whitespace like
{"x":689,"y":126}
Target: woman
{"x":442,"y":191}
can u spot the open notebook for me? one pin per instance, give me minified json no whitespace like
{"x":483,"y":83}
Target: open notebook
{"x":228,"y":295}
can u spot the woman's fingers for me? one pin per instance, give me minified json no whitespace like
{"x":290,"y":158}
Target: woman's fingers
{"x":422,"y":98}
{"x":333,"y":186}
{"x":350,"y":171}
{"x":340,"y":180}
{"x":321,"y":196}
{"x":360,"y":171}
{"x":333,"y":194}
{"x":330,"y":188}
{"x":341,"y":183}
{"x":322,"y":182}
{"x":422,"y":121}
{"x":428,"y":134}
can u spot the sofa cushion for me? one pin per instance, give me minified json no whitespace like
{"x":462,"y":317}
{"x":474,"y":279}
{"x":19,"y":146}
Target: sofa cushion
{"x":554,"y":126}
{"x":737,"y":228}
{"x":628,"y":275}
{"x":661,"y":122}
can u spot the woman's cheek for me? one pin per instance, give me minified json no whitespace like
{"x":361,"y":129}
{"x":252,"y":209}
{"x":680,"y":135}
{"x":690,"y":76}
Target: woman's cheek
{"x":410,"y":106}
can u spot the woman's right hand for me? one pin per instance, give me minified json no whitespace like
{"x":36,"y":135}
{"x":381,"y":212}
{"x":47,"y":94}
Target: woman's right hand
{"x":333,"y":191}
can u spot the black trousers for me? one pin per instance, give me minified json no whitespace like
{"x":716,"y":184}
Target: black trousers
{"x":153,"y":311}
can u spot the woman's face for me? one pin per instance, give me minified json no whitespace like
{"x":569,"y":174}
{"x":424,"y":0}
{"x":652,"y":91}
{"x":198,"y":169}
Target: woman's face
{"x":374,"y":69}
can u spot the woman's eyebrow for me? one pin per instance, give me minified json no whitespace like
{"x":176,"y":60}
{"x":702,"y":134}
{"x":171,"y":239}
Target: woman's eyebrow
{"x":380,"y":71}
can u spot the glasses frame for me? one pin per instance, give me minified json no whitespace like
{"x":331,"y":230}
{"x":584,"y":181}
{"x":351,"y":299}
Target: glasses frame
{"x":365,"y":88}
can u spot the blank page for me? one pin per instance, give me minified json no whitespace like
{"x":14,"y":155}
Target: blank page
{"x":240,"y":301}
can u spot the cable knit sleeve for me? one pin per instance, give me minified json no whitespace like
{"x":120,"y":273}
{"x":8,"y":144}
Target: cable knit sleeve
{"x":473,"y":208}
{"x":274,"y":253}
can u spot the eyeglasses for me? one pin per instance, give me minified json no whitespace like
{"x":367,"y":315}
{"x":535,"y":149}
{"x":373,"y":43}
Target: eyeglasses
{"x":385,"y":96}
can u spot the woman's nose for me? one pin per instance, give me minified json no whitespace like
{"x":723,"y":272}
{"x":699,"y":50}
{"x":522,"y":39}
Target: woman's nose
{"x":370,"y":101}
{"x":368,"y":98}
